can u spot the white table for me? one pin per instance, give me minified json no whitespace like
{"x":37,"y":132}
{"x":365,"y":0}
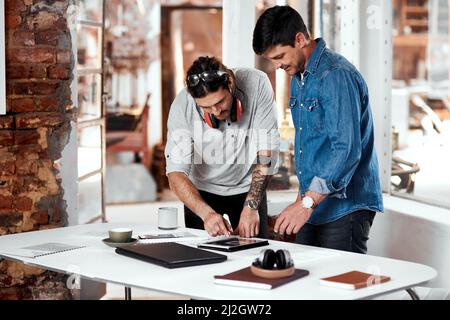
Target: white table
{"x":100,"y":263}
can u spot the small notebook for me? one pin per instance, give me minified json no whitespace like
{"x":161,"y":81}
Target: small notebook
{"x":40,"y":250}
{"x":353,"y":280}
{"x":245,"y":278}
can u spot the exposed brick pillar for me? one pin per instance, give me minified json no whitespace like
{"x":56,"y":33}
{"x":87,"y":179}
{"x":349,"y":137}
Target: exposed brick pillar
{"x":33,"y":133}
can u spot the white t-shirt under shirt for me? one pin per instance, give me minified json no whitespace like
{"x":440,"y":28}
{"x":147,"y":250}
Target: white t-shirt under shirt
{"x":221,"y":161}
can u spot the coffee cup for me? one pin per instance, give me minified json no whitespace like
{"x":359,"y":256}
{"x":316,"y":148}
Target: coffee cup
{"x":167,"y":218}
{"x":120,"y":235}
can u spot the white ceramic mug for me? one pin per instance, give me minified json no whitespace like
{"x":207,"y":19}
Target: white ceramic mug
{"x":167,"y":218}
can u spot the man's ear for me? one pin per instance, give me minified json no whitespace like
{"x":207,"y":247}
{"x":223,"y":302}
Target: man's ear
{"x":300,"y":39}
{"x":231,"y":81}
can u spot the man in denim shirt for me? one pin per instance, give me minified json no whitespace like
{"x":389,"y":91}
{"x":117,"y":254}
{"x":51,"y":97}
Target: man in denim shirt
{"x":335,"y":155}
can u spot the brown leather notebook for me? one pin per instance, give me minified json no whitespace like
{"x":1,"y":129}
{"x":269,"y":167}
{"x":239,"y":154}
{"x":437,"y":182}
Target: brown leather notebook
{"x":245,"y":278}
{"x":354,"y":280}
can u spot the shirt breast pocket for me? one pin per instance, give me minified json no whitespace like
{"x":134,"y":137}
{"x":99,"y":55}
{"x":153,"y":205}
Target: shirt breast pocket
{"x":314,"y":115}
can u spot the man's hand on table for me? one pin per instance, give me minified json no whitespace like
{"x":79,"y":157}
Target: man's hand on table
{"x":292,"y":218}
{"x":248,"y":223}
{"x":216,"y":225}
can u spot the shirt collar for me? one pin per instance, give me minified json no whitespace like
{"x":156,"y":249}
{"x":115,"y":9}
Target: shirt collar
{"x":314,"y":59}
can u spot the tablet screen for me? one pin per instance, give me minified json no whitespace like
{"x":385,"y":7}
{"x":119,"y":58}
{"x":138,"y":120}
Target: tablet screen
{"x":235,"y":243}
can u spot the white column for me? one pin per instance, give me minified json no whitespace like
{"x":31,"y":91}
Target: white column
{"x":155,"y":133}
{"x":237,"y":33}
{"x":69,"y":156}
{"x":281,"y":85}
{"x":376,"y":67}
{"x":317,"y":18}
{"x":2,"y":60}
{"x":350,"y":26}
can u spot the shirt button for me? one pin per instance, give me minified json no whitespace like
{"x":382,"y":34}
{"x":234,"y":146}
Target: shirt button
{"x":303,"y":83}
{"x":300,"y":151}
{"x":299,"y":172}
{"x":301,"y":129}
{"x":301,"y":105}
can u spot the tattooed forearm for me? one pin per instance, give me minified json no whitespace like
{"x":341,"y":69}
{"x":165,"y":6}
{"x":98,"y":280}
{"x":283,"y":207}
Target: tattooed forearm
{"x":260,"y":180}
{"x":260,"y":175}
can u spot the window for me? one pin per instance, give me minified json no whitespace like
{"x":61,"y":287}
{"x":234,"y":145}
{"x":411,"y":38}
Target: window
{"x":419,"y":112}
{"x":420,"y":101}
{"x":90,"y":120}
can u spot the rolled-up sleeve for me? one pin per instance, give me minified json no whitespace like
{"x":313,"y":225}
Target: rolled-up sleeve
{"x":341,"y":101}
{"x":179,"y":146}
{"x":266,"y":122}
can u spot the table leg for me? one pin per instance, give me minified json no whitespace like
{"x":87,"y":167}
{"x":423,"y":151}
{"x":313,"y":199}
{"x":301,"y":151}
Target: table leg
{"x":127,"y":293}
{"x":412,"y":294}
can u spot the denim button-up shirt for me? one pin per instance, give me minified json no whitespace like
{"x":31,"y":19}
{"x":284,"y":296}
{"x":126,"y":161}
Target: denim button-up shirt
{"x":334,"y":138}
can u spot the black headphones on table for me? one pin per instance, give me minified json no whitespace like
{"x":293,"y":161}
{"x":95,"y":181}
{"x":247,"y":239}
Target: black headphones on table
{"x":270,"y":259}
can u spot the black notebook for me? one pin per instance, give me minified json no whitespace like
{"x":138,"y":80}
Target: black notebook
{"x":170,"y":254}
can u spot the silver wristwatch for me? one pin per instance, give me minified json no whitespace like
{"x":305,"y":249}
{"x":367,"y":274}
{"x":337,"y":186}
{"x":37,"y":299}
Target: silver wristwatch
{"x":252,"y":204}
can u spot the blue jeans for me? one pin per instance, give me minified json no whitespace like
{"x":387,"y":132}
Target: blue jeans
{"x":349,"y":233}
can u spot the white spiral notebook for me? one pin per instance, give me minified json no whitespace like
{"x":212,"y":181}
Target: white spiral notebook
{"x":40,"y":250}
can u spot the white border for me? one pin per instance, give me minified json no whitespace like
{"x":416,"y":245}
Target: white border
{"x":2,"y":60}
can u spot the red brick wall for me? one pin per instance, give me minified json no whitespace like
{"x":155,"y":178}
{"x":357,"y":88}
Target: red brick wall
{"x":33,"y":133}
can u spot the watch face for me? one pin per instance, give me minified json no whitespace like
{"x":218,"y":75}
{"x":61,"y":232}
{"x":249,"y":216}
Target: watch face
{"x":253,"y":204}
{"x":307,"y":202}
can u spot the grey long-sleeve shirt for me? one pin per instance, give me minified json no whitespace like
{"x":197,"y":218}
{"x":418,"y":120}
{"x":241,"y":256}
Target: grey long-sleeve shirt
{"x":221,"y":160}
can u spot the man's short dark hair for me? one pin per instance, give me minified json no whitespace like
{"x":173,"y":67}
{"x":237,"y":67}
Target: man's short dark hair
{"x":278,"y":25}
{"x":202,"y":64}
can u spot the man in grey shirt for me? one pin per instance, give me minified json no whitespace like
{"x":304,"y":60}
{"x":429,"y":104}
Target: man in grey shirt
{"x":222,"y":147}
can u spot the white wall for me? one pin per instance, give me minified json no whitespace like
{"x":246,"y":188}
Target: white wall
{"x":69,"y":175}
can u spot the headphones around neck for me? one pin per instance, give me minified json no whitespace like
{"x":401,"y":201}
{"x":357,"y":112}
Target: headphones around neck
{"x":235,"y":114}
{"x":269,"y":259}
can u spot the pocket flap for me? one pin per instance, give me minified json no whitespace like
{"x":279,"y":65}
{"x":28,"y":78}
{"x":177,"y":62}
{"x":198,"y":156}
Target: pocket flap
{"x":311,"y":104}
{"x":292,"y":102}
